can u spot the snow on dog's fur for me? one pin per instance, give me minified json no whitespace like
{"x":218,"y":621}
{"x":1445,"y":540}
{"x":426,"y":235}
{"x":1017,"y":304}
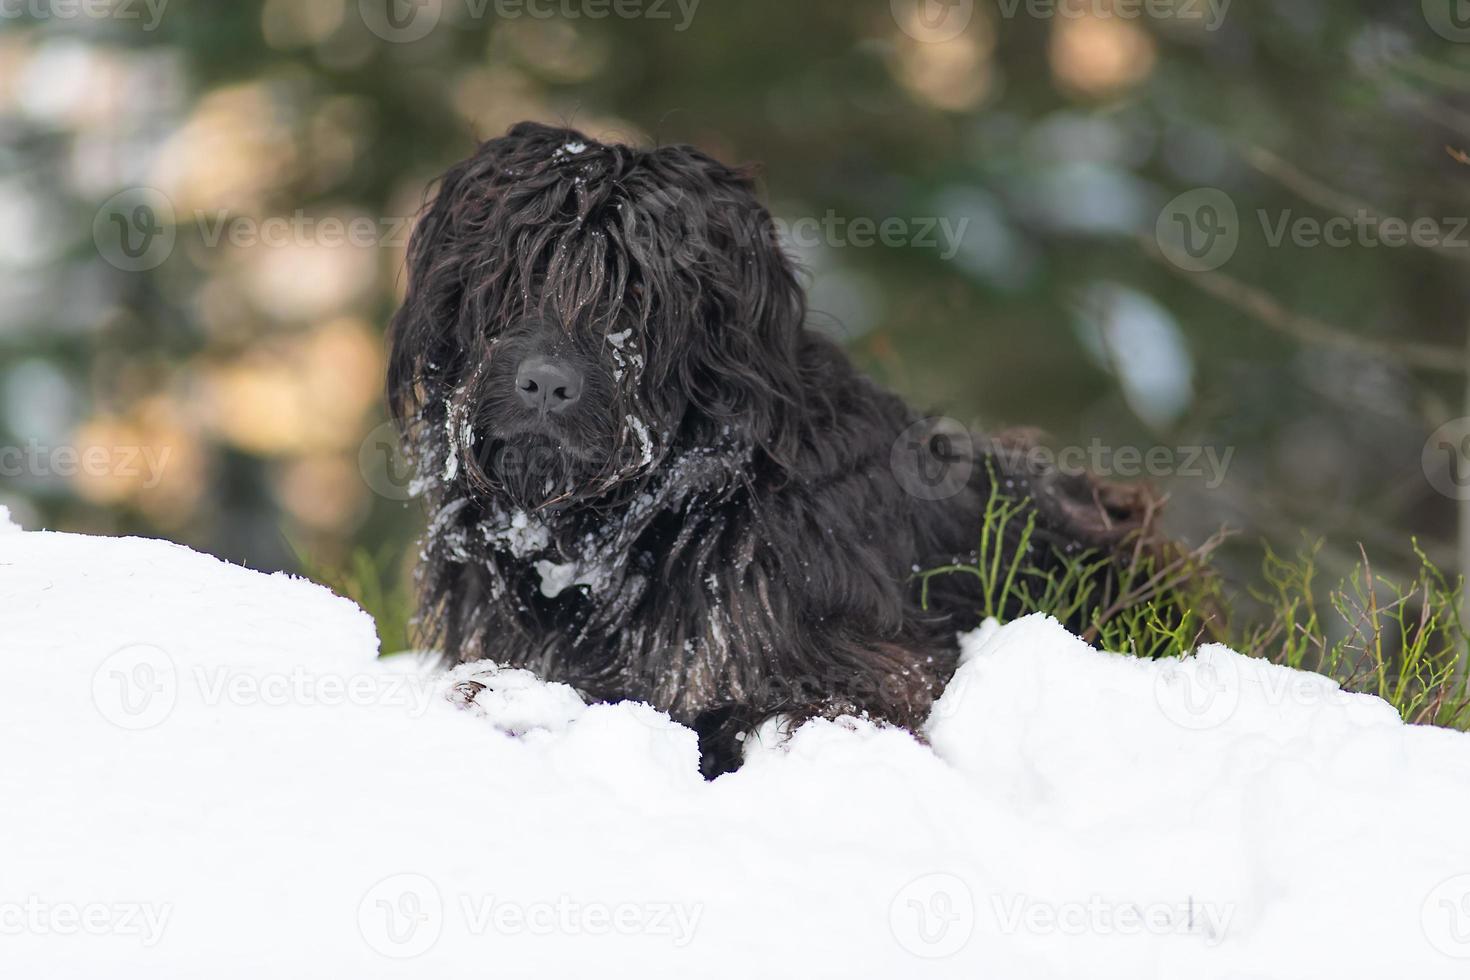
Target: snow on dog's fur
{"x":722,"y":517}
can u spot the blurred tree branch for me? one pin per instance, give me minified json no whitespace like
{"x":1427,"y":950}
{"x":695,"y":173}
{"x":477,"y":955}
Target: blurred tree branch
{"x":1315,"y":191}
{"x":1306,"y":329}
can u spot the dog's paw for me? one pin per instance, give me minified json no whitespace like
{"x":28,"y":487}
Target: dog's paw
{"x":514,"y":701}
{"x":774,"y":735}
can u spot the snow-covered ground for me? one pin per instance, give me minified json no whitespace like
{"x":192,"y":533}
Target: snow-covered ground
{"x":207,"y":773}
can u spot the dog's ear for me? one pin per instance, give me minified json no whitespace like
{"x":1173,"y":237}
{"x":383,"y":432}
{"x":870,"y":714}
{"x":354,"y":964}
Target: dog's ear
{"x":743,"y":365}
{"x":423,"y":335}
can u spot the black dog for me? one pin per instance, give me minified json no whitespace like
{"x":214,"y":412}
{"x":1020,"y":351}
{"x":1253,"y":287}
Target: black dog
{"x":650,"y":481}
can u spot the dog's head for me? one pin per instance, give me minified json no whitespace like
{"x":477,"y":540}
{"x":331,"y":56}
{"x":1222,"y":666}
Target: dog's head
{"x":576,"y":310}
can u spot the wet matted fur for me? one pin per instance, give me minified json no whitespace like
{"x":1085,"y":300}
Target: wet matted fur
{"x":727,"y":522}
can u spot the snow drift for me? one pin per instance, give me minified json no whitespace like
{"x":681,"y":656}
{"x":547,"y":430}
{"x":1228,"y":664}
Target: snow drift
{"x":208,"y":773}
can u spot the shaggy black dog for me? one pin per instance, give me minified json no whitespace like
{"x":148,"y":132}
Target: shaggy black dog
{"x":649,"y":480}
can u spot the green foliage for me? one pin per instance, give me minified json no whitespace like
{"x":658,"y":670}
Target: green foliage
{"x":370,"y":579}
{"x":1153,"y":604}
{"x":1405,"y":643}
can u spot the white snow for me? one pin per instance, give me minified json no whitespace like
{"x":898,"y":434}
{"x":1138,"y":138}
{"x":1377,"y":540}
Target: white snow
{"x":622,"y":360}
{"x":645,"y":441}
{"x":208,"y":773}
{"x":557,"y":577}
{"x":7,"y":525}
{"x":458,"y":430}
{"x":520,"y":533}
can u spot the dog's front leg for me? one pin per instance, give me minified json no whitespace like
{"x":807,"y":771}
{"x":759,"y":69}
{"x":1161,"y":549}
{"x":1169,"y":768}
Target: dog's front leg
{"x":725,"y":732}
{"x":512,"y":700}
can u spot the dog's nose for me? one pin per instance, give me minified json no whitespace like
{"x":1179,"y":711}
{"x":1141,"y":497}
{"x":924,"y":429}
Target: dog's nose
{"x":548,"y":385}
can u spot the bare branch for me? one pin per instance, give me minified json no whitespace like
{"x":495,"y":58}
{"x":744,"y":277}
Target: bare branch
{"x":1328,"y":198}
{"x":1307,"y":329}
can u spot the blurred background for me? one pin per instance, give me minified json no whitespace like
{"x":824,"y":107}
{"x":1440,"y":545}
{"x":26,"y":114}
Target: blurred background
{"x":1163,"y":231}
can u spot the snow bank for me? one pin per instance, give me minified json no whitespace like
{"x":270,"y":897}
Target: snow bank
{"x":207,"y":773}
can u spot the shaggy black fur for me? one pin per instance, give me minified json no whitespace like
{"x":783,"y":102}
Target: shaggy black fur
{"x":726,"y":522}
